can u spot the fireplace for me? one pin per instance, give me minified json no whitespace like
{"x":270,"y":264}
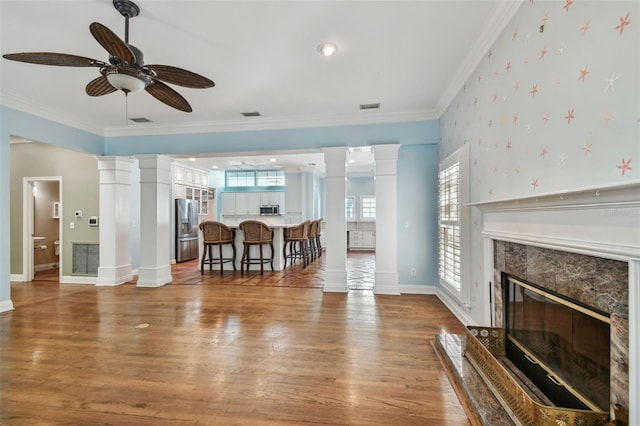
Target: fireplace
{"x":560,"y":344}
{"x":581,"y":246}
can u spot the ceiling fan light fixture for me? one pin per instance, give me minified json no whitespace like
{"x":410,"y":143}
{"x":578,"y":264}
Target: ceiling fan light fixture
{"x":126,"y":83}
{"x":327,"y":49}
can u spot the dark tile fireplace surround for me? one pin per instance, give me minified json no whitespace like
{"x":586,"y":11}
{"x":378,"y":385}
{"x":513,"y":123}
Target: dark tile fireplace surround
{"x":597,"y":282}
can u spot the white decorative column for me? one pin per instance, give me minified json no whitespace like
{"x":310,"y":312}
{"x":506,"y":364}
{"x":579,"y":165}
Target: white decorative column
{"x":386,"y":157}
{"x":115,"y":220}
{"x":155,"y":220}
{"x":336,"y":236}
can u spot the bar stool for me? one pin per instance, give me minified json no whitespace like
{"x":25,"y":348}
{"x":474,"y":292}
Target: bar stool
{"x":313,"y":248}
{"x":216,"y":234}
{"x":318,"y":243}
{"x":296,"y":235}
{"x":256,"y":233}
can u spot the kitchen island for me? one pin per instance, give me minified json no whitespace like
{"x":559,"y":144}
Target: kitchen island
{"x":227,"y":251}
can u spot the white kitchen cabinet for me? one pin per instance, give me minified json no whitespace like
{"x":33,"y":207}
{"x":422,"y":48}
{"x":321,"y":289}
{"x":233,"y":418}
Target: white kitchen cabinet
{"x":228,"y":203}
{"x":364,"y":239}
{"x":272,"y":198}
{"x":247,"y":203}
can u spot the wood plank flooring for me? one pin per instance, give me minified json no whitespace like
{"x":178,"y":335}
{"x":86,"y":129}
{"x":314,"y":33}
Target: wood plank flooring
{"x":235,"y":350}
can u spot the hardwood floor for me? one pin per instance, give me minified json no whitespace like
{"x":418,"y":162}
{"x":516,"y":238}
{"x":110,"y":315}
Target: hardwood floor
{"x":206,"y":350}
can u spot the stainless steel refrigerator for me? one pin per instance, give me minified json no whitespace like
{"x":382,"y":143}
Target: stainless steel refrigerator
{"x":186,"y":229}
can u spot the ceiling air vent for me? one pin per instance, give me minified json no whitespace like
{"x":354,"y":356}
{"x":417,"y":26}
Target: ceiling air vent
{"x":370,"y":106}
{"x":251,"y":114}
{"x":140,"y":120}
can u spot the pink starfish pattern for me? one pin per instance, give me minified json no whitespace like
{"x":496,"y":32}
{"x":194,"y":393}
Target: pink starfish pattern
{"x":624,"y":166}
{"x":534,"y":90}
{"x":515,"y":35}
{"x":534,"y":183}
{"x":508,"y":66}
{"x":508,"y":146}
{"x":607,"y":117}
{"x":569,"y":116}
{"x":623,"y":23}
{"x":567,"y":4}
{"x":543,"y":152}
{"x":490,"y":123}
{"x":516,"y":85}
{"x":587,"y":148}
{"x":585,"y":26}
{"x":543,"y":53}
{"x":516,"y":118}
{"x":545,"y":18}
{"x":546,"y":117}
{"x":583,"y":73}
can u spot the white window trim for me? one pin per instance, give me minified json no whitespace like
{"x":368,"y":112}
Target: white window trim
{"x":353,"y":217}
{"x":360,"y":210}
{"x":460,"y":156}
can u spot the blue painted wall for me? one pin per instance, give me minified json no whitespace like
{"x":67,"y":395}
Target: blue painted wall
{"x":418,"y":205}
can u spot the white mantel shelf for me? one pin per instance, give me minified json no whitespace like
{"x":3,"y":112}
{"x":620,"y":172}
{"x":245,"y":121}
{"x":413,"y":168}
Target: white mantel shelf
{"x":627,"y":193}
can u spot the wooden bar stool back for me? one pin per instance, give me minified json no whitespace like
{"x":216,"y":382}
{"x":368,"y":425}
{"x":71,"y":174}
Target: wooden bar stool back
{"x":313,"y":248}
{"x":216,"y":234}
{"x":259,"y":234}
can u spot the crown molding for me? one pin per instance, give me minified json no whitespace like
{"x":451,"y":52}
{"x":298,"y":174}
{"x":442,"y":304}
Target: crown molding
{"x":500,"y":17}
{"x":15,"y":102}
{"x":262,"y":123}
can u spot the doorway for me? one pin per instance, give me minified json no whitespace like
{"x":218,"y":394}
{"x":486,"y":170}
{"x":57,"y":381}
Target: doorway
{"x":42,"y":229}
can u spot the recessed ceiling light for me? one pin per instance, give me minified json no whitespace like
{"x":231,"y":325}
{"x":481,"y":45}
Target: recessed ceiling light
{"x":327,"y":49}
{"x":214,"y":167}
{"x":273,"y":160}
{"x":352,"y":161}
{"x":192,"y":159}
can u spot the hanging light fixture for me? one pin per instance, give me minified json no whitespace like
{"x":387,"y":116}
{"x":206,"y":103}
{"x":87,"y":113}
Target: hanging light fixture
{"x":327,"y":49}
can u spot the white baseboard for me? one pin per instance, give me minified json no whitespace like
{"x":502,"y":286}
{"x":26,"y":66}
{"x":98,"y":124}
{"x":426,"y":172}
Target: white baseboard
{"x":456,"y":309}
{"x":6,"y":305}
{"x":20,"y":278}
{"x":75,"y":279}
{"x":417,"y":289}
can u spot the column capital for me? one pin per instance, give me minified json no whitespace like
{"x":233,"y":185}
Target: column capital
{"x":386,"y":151}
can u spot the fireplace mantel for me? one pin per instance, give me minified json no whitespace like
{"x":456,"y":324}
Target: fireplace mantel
{"x":601,"y":221}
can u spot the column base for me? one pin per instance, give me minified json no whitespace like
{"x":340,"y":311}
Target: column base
{"x":116,"y":275}
{"x":154,"y":277}
{"x":335,"y":282}
{"x":386,"y":283}
{"x":6,"y":305}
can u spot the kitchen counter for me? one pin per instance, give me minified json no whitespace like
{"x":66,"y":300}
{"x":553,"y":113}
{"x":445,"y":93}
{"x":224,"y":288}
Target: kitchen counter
{"x":278,"y":242}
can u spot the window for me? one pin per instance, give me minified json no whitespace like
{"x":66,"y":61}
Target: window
{"x":367,"y":207}
{"x":348,"y":207}
{"x":270,"y":177}
{"x":453,"y":226}
{"x":241,"y":178}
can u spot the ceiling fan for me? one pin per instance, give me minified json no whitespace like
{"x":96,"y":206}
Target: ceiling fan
{"x":125,"y":70}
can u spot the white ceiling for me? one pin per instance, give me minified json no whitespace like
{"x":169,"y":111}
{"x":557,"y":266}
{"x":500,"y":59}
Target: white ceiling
{"x":410,"y":56}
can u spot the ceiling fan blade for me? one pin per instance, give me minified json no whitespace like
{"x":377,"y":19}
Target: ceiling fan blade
{"x":181,"y":77}
{"x":167,"y":95}
{"x":111,"y":42}
{"x":57,"y":59}
{"x":99,"y":87}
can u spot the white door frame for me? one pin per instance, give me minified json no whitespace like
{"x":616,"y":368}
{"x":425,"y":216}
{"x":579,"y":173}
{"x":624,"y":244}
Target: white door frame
{"x":27,"y":224}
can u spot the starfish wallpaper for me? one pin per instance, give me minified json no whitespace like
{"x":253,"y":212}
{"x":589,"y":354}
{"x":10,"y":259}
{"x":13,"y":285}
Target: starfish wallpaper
{"x":553,"y":106}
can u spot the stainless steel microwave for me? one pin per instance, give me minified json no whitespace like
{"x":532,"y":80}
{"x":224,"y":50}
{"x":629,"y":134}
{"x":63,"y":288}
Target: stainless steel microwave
{"x":269,"y":210}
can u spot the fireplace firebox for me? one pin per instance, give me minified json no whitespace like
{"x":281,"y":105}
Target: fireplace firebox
{"x":560,"y":344}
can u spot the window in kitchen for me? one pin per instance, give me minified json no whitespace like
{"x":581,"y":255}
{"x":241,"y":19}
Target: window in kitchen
{"x":367,"y":207}
{"x":270,"y":177}
{"x":241,"y":178}
{"x":452,"y":224}
{"x":349,"y":205}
